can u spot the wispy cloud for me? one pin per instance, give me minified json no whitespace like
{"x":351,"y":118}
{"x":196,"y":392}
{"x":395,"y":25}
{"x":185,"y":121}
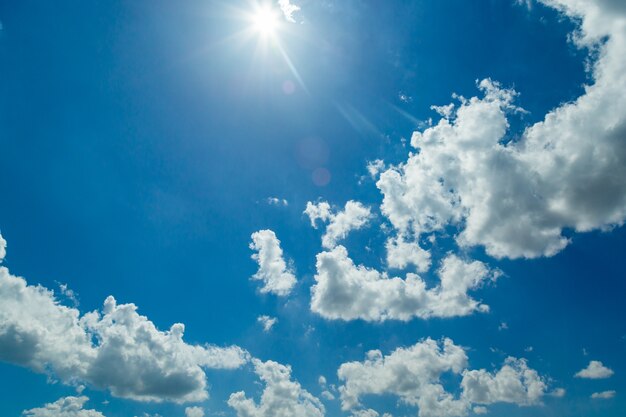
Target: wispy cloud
{"x":288,"y":10}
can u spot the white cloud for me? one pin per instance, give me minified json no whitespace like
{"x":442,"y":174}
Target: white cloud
{"x":136,"y":360}
{"x":117,"y":349}
{"x":347,"y":292}
{"x":354,"y":216}
{"x":282,"y":397}
{"x":275,"y":201}
{"x":414,"y":375}
{"x":194,"y":412}
{"x":401,"y":253}
{"x":514,"y":383}
{"x":368,"y":413}
{"x":595,"y":370}
{"x":604,"y":395}
{"x":515,"y":199}
{"x":558,"y":393}
{"x":64,"y":407}
{"x":288,"y":9}
{"x":375,"y":167}
{"x":3,"y":248}
{"x":277,"y":277}
{"x":267,"y":322}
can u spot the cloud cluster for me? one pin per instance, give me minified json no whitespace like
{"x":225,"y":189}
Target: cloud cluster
{"x":595,"y":370}
{"x":346,"y":291}
{"x":277,"y":277}
{"x":64,"y":407}
{"x":353,"y":217}
{"x":116,"y":349}
{"x":282,"y":397}
{"x":414,"y":374}
{"x":516,"y":198}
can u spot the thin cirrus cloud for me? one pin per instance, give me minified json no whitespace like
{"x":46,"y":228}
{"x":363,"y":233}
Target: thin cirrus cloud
{"x":515,"y":199}
{"x":273,"y":271}
{"x":64,"y":407}
{"x":281,"y":396}
{"x":346,"y":291}
{"x":115,"y":349}
{"x":595,"y":370}
{"x":425,"y":364}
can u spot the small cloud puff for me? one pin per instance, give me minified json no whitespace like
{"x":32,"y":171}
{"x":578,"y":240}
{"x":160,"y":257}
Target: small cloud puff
{"x":595,"y":370}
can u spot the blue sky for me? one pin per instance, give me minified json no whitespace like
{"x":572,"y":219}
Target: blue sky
{"x":144,"y":143}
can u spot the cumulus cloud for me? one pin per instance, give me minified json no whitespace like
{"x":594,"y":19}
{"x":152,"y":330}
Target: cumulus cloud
{"x":64,"y":407}
{"x":267,"y":322}
{"x":514,"y":383}
{"x":414,"y":375}
{"x":401,"y":253}
{"x":288,"y":9}
{"x":604,"y":395}
{"x":595,"y":370}
{"x":516,"y":198}
{"x":194,"y":412}
{"x":353,"y":217}
{"x":116,"y":349}
{"x":346,"y":291}
{"x":282,"y":397}
{"x":277,"y":277}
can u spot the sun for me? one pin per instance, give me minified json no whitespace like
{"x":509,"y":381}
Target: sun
{"x":265,"y":21}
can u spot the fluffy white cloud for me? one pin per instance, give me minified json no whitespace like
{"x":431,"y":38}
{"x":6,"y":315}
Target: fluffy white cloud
{"x":353,"y":217}
{"x":117,"y":349}
{"x":64,"y":407}
{"x":277,"y":277}
{"x":401,"y":253}
{"x":515,"y":383}
{"x":595,"y":370}
{"x":346,"y":291}
{"x":194,"y":412}
{"x":414,"y":375}
{"x":136,"y":360}
{"x":288,"y":9}
{"x":281,"y":397}
{"x":267,"y":322}
{"x":515,"y":198}
{"x":604,"y":395}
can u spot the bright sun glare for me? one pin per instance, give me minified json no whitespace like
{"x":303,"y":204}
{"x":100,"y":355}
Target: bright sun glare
{"x":265,"y":21}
